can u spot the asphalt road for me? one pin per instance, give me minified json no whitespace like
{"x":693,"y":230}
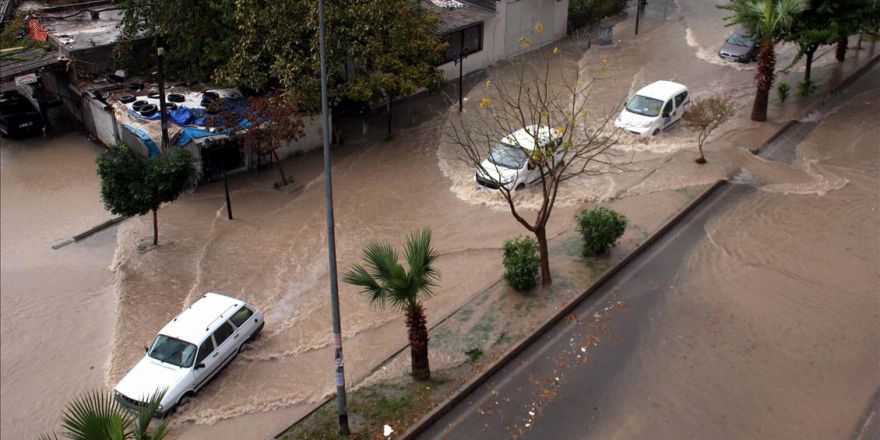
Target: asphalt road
{"x":557,"y":386}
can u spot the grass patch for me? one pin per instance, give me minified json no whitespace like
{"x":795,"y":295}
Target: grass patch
{"x":465,"y":314}
{"x":398,"y":403}
{"x":474,"y":354}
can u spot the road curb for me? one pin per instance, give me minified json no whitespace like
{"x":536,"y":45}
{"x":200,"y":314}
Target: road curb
{"x":429,"y":419}
{"x":89,"y":232}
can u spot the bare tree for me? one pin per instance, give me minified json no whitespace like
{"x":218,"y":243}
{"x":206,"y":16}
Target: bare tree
{"x":534,"y":128}
{"x":705,"y":115}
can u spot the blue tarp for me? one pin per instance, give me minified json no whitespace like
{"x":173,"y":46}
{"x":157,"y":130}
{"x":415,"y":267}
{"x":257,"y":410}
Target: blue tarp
{"x":146,"y":139}
{"x":189,"y":134}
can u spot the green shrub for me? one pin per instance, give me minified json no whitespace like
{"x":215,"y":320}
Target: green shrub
{"x":783,"y":90}
{"x":806,"y":87}
{"x":600,"y":229}
{"x":521,"y":262}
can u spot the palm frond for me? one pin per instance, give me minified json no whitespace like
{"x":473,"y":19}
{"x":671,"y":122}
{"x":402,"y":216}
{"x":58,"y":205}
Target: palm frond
{"x":146,"y":411}
{"x":94,"y":415}
{"x":420,"y":256}
{"x":358,"y":276}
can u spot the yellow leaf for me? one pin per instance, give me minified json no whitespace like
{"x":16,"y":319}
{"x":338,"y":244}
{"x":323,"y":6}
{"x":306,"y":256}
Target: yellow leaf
{"x":555,"y":50}
{"x":539,"y":28}
{"x":484,"y":103}
{"x":525,"y":42}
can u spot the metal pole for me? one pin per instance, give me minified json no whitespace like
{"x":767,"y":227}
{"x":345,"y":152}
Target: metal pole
{"x":638,"y":13}
{"x":226,"y":188}
{"x":160,"y":54}
{"x":460,"y":71}
{"x":331,"y":237}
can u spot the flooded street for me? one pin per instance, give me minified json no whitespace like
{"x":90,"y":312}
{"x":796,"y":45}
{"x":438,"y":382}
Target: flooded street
{"x":77,"y":318}
{"x":58,"y":306}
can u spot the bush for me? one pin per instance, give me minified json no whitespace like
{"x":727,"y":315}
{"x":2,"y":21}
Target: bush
{"x":806,"y":87}
{"x":600,"y":229}
{"x":783,"y":90}
{"x":584,"y":12}
{"x":521,"y":262}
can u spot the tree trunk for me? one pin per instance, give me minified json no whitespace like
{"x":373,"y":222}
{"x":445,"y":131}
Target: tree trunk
{"x":280,"y":169}
{"x":840,"y":53}
{"x":416,"y":325}
{"x":809,"y":63}
{"x":390,"y":100}
{"x":702,"y":159}
{"x":764,"y":81}
{"x":541,"y":235}
{"x":155,"y":227}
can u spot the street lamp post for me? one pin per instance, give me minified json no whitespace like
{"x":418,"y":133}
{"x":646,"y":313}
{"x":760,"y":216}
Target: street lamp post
{"x":331,"y":237}
{"x":460,"y":61}
{"x":160,"y":54}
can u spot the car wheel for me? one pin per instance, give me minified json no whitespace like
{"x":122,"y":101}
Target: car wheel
{"x":148,"y":110}
{"x":520,"y":186}
{"x":656,"y":132}
{"x":183,"y":401}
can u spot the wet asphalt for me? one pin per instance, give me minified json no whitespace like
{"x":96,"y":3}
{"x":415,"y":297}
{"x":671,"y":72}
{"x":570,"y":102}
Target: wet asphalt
{"x":566,"y":377}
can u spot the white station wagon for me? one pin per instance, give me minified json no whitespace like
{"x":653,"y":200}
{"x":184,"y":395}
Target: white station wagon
{"x":190,"y":350}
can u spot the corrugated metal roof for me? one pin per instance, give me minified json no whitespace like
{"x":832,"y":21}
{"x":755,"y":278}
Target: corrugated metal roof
{"x":470,"y":12}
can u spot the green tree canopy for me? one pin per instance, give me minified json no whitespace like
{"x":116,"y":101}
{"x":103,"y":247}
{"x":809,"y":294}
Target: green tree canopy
{"x":198,"y":34}
{"x":134,"y":185}
{"x":375,"y":49}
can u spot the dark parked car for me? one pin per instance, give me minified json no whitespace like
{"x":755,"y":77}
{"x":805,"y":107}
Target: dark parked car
{"x":18,"y":117}
{"x":740,"y":48}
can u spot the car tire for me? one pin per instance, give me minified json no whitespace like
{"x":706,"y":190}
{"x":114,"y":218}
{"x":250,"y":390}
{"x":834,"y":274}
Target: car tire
{"x":125,"y":99}
{"x":148,"y":110}
{"x":185,"y":399}
{"x":656,"y":132}
{"x":521,"y":186}
{"x":176,"y":97}
{"x":137,"y":105}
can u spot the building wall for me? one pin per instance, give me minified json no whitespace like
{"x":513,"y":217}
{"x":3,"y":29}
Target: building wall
{"x":514,"y":19}
{"x":313,"y":138}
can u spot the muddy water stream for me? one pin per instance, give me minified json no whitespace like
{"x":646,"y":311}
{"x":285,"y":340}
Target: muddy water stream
{"x":58,"y":307}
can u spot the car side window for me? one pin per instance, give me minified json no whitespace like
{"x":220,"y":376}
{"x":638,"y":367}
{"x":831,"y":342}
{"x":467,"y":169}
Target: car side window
{"x":205,"y":349}
{"x":242,"y":315}
{"x":667,"y":109}
{"x":679,"y":100}
{"x":223,"y":332}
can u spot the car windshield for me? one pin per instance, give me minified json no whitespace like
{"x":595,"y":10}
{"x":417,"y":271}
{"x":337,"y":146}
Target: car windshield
{"x":644,"y":106}
{"x":739,"y":39}
{"x":173,"y":351}
{"x":507,"y":156}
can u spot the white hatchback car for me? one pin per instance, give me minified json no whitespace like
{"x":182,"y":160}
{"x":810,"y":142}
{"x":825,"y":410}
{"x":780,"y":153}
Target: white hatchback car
{"x":190,"y":350}
{"x":508,"y":163}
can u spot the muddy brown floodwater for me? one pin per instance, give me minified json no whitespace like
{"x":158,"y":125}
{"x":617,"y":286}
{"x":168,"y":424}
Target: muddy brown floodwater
{"x":58,"y":306}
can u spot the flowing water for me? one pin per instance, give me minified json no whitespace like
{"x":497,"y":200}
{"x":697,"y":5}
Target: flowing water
{"x":274,"y":253}
{"x":58,"y":307}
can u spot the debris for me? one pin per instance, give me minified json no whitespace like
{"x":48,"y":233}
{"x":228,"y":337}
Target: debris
{"x":386,"y":431}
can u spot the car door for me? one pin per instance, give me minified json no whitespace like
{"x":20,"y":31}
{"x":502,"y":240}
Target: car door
{"x":668,"y":110}
{"x":225,"y":340}
{"x":681,"y":102}
{"x":207,"y":361}
{"x":242,"y":322}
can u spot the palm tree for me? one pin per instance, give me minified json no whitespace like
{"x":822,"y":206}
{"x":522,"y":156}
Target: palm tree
{"x":386,"y":282}
{"x":98,"y":416}
{"x":767,"y":21}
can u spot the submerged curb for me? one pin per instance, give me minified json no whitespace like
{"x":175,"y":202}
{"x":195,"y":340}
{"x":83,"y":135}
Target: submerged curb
{"x":428,"y":420}
{"x":89,"y":232}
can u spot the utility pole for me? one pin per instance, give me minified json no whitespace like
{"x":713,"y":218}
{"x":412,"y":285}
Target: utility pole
{"x":160,"y":54}
{"x":331,"y":237}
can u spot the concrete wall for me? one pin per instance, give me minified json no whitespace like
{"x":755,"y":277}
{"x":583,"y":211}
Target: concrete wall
{"x":313,"y":138}
{"x":500,"y":36}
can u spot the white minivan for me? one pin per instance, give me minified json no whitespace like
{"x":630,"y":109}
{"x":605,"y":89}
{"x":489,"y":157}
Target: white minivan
{"x":190,"y":350}
{"x":654,"y":108}
{"x":508,"y":163}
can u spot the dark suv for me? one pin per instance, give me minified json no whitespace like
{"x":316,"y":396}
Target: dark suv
{"x":17,"y":116}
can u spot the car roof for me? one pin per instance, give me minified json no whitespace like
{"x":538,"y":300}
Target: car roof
{"x":661,"y":90}
{"x":525,"y":137}
{"x":201,"y":318}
